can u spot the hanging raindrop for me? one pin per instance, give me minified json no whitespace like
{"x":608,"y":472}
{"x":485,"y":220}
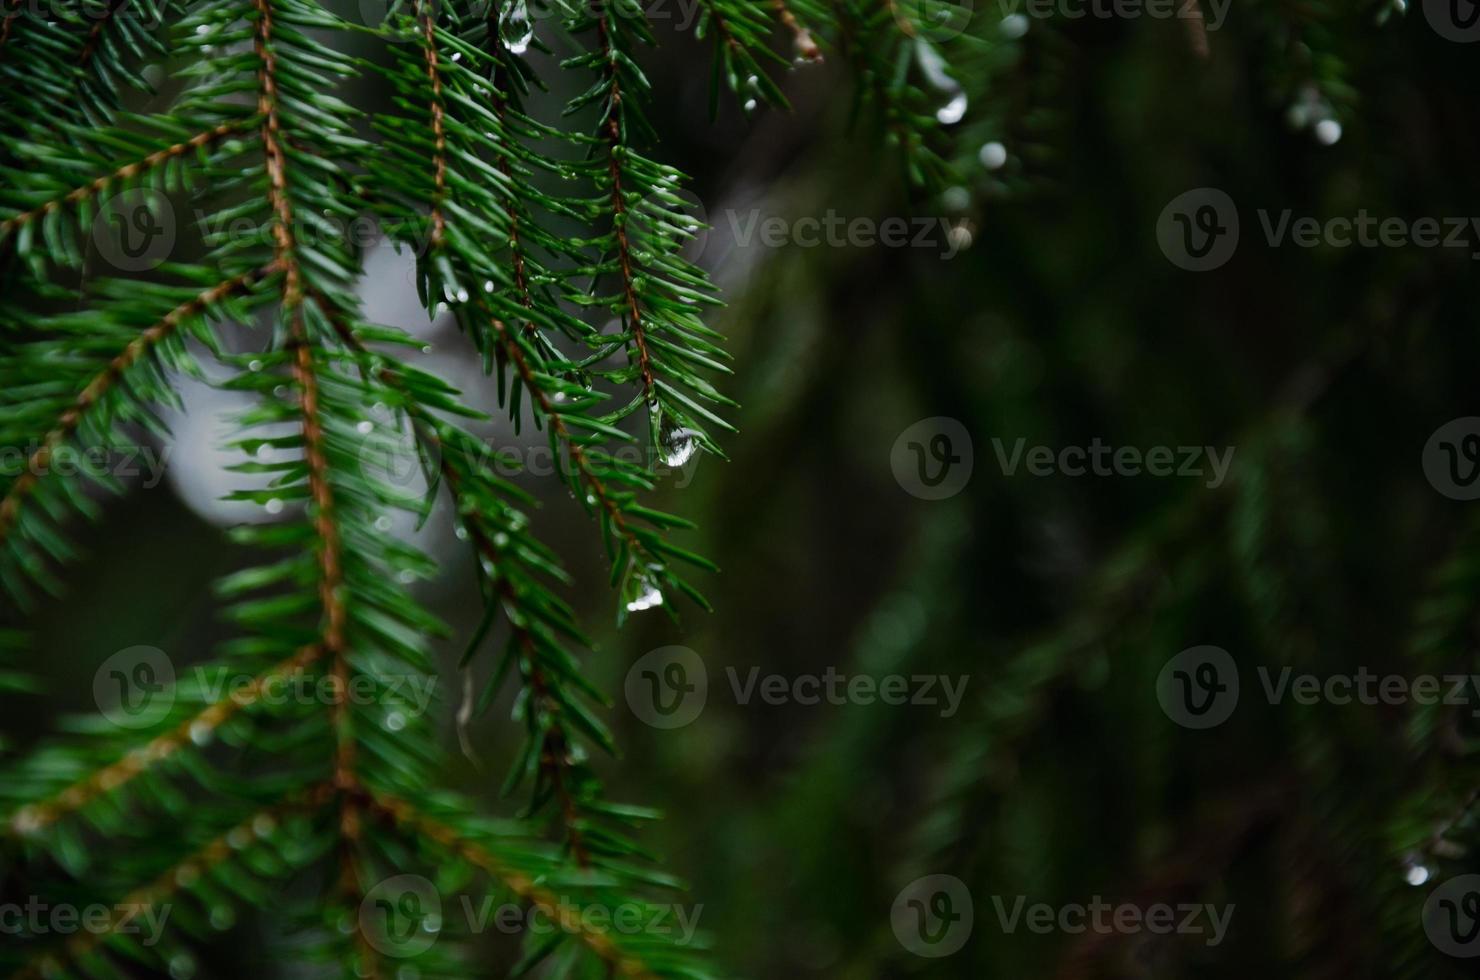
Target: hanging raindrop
{"x":515,"y":26}
{"x":641,"y":592}
{"x":993,"y":155}
{"x":678,"y":445}
{"x":951,"y":113}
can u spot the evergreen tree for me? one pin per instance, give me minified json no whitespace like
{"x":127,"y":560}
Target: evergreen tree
{"x":564,"y":249}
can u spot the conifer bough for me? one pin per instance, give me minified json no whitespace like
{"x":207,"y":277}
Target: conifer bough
{"x":558,"y":245}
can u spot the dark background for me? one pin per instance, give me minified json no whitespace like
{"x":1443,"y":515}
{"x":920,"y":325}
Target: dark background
{"x":1061,"y":598}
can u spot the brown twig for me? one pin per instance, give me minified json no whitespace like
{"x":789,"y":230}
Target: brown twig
{"x":806,"y":47}
{"x":439,"y":130}
{"x":95,"y":34}
{"x":569,"y":919}
{"x":554,"y":754}
{"x":36,"y":816}
{"x":123,"y":173}
{"x":254,"y":828}
{"x":613,"y":127}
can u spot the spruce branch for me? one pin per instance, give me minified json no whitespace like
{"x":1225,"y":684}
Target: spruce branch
{"x":216,"y":852}
{"x":34,"y":817}
{"x":405,"y":814}
{"x":123,"y":174}
{"x":91,"y":394}
{"x":96,"y":33}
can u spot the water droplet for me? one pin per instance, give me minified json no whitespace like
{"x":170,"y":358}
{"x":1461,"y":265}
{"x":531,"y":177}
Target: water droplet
{"x":364,"y":427}
{"x":254,"y":365}
{"x":182,"y":966}
{"x":641,"y":592}
{"x":992,"y":155}
{"x":1013,"y":26}
{"x":395,"y":721}
{"x":382,"y":523}
{"x":951,"y":113}
{"x":488,"y":285}
{"x":264,"y":452}
{"x":274,"y":506}
{"x":461,"y":533}
{"x":515,"y":26}
{"x":200,"y":733}
{"x":750,"y":105}
{"x":1328,"y":131}
{"x":1417,"y":873}
{"x":500,"y":540}
{"x":956,"y":198}
{"x":405,"y":578}
{"x":678,"y":445}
